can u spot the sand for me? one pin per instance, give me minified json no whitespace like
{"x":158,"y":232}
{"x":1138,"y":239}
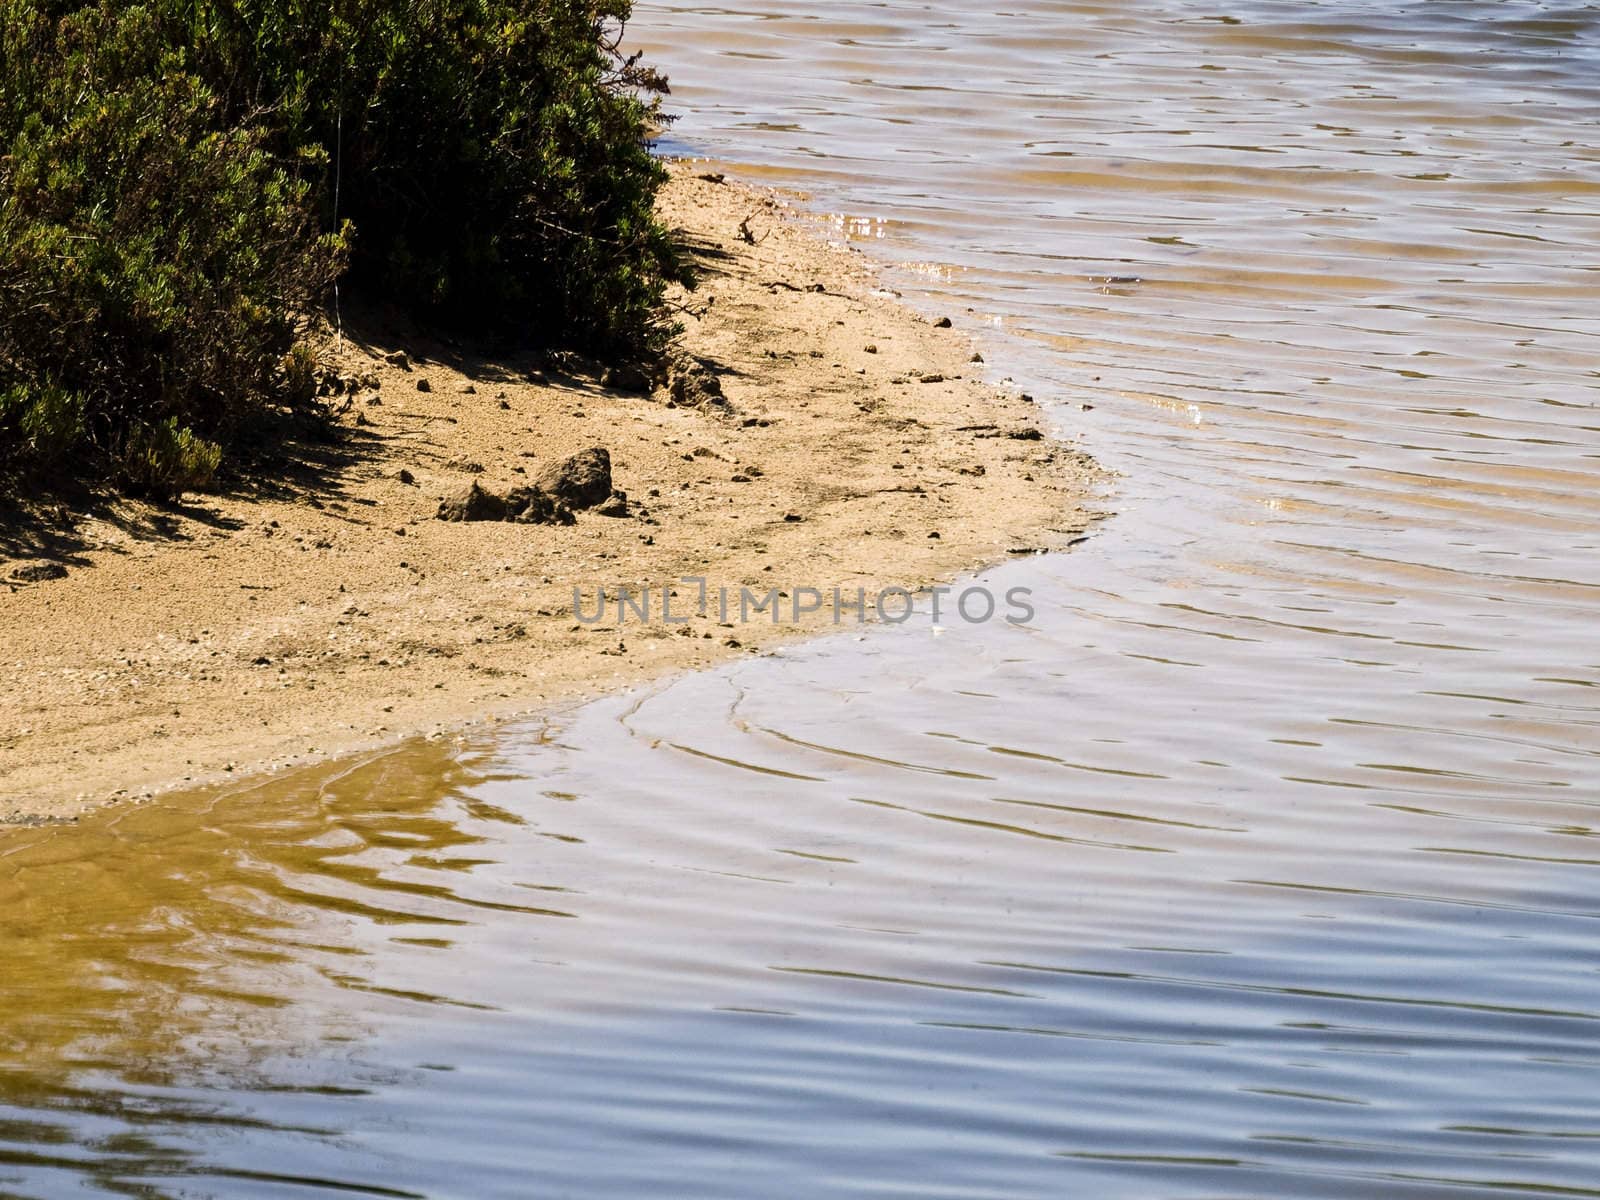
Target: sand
{"x":324,"y":609}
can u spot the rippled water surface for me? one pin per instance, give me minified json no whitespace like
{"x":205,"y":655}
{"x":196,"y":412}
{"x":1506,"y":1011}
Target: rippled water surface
{"x":1262,"y":864}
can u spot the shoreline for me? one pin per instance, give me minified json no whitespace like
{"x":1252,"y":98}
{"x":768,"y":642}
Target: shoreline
{"x":814,"y":433}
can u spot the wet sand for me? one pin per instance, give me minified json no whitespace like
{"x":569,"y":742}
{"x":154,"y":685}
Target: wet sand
{"x":333,"y":612}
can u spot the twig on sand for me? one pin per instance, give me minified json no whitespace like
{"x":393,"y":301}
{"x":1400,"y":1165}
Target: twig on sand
{"x":815,"y":288}
{"x":749,"y":238}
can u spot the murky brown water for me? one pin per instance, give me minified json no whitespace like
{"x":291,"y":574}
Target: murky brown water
{"x":1263,"y":863}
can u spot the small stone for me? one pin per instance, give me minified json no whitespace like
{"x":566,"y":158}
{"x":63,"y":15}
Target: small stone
{"x":692,"y":384}
{"x":942,"y":323}
{"x":405,"y":477}
{"x":473,"y":504}
{"x":424,"y":386}
{"x":581,"y":481}
{"x":626,"y":377}
{"x":934,"y":378}
{"x":615,"y":505}
{"x":534,"y":506}
{"x":398,"y":359}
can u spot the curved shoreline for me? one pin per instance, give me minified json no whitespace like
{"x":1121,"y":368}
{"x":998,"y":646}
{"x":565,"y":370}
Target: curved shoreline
{"x":247,"y":633}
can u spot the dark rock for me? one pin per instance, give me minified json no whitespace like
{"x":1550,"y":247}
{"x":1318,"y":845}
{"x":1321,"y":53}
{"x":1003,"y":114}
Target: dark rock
{"x":581,"y":481}
{"x":473,"y":504}
{"x":424,"y":386}
{"x":934,"y":378}
{"x":38,"y":572}
{"x":398,"y":359}
{"x":942,"y":323}
{"x":1025,"y":435}
{"x":693,"y":384}
{"x":615,"y":505}
{"x":627,"y":377}
{"x":406,"y":477}
{"x":535,"y":506}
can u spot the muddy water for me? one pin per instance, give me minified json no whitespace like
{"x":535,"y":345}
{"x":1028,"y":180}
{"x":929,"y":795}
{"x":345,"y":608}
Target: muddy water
{"x":1262,"y":863}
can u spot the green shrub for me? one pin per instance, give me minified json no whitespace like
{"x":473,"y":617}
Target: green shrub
{"x":163,"y":460}
{"x":154,"y":258}
{"x":491,"y":154}
{"x":176,"y":177}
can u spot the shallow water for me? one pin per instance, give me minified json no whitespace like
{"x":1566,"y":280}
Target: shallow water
{"x":1262,"y":863}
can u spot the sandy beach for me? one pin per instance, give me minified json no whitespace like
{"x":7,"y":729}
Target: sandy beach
{"x":812,"y":433}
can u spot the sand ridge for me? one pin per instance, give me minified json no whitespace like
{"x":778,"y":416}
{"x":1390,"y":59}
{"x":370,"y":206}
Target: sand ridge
{"x":284,"y":623}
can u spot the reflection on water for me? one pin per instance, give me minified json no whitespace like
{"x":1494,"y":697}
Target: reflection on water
{"x":1261,"y":864}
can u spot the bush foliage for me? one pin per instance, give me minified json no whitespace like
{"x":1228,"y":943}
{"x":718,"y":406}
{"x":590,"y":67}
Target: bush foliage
{"x":182,"y":180}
